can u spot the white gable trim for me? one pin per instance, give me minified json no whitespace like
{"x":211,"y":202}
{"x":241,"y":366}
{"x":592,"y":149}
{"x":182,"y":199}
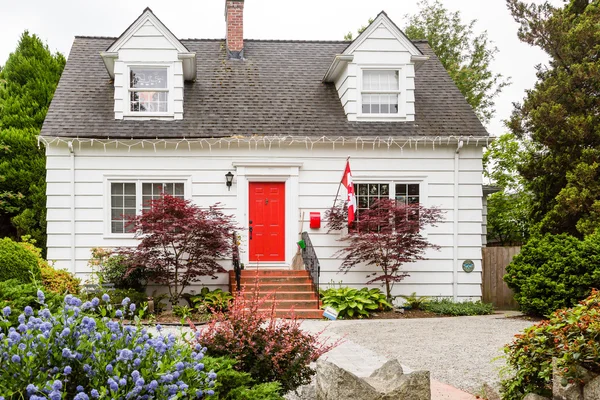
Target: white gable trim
{"x":146,"y":16}
{"x":383,"y":20}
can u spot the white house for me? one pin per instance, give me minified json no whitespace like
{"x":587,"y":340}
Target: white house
{"x":147,"y":112}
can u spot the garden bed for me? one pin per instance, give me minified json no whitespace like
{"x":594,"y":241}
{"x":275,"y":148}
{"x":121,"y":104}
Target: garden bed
{"x":406,"y":315}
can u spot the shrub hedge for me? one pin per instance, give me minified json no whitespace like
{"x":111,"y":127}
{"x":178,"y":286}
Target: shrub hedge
{"x":17,"y":262}
{"x":456,"y":309}
{"x":554,"y":271}
{"x":570,"y":335}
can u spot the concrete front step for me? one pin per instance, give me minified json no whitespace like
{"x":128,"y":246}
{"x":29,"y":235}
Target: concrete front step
{"x":278,"y":295}
{"x":292,"y":304}
{"x":279,"y":287}
{"x":299,"y":313}
{"x":270,"y":272}
{"x":275,"y":279}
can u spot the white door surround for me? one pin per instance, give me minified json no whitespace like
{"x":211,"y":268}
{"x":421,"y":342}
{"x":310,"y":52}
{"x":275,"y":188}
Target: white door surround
{"x":287,"y":172}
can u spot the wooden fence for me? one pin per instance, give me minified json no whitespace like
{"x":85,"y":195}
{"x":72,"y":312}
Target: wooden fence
{"x":494,"y":289}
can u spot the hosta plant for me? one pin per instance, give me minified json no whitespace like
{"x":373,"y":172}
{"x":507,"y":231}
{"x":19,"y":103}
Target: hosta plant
{"x":73,"y":354}
{"x":214,"y":301}
{"x":354,"y":303}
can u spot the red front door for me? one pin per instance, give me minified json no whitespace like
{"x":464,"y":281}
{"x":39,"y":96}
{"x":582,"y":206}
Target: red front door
{"x":267,"y":221}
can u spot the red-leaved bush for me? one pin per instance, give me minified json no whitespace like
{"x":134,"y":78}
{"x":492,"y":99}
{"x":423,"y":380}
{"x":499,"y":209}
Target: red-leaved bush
{"x":179,"y":242}
{"x":268,"y":348}
{"x":387,"y":236}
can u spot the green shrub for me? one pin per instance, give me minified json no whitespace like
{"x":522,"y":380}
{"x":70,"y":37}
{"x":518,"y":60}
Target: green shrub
{"x":112,"y":268}
{"x":59,"y":281}
{"x":354,"y":303}
{"x":237,"y":385}
{"x":17,"y":262}
{"x":554,"y":271}
{"x":17,"y":296}
{"x":455,"y":309}
{"x":214,"y":301}
{"x":570,"y":335}
{"x":54,"y":280}
{"x":182,"y":312}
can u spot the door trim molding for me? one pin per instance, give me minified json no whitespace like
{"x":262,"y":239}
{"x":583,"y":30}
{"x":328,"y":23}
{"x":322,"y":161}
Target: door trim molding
{"x":269,"y":172}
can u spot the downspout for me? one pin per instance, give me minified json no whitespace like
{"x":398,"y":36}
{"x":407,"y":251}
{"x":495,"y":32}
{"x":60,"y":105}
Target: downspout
{"x":72,"y":151}
{"x":455,"y":260}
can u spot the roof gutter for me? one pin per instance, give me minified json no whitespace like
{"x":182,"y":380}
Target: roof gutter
{"x":339,"y":63}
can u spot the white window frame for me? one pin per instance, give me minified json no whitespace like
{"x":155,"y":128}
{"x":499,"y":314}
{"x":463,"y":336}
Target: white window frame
{"x":187,"y":190}
{"x":401,"y":115}
{"x":170,"y":90}
{"x":422,"y":181}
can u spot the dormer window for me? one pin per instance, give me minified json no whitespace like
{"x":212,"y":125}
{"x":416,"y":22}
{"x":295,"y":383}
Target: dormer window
{"x":148,"y":90}
{"x":380,"y":91}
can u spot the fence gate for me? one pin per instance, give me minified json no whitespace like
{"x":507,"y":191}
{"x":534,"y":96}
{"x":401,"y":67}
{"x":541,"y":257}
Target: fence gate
{"x":494,"y":289}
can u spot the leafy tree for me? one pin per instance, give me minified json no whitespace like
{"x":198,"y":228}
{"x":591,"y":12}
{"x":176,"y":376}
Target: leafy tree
{"x":508,"y":210}
{"x":559,"y":120}
{"x":386,"y":236}
{"x":465,"y":55}
{"x":179,"y":243}
{"x":27,"y":84}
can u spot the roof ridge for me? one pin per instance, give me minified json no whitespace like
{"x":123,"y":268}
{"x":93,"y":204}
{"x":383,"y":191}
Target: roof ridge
{"x":247,"y":40}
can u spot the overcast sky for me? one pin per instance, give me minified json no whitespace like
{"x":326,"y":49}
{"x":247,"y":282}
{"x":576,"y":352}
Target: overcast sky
{"x":58,"y":21}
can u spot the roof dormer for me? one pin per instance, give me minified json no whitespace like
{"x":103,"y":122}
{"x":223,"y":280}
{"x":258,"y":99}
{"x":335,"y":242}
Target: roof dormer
{"x":149,"y":65}
{"x":375,"y":75}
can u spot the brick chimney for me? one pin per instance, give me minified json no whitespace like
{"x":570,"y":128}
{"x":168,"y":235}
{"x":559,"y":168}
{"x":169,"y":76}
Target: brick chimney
{"x":234,"y":17}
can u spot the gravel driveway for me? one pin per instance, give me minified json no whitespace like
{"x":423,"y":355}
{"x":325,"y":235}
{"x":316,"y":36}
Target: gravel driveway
{"x":458,"y":351}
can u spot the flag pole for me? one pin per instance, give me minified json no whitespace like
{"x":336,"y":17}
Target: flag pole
{"x":340,"y":184}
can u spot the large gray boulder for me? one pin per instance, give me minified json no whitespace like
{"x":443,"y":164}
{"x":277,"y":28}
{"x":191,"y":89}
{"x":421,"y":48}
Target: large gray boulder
{"x":387,"y":383}
{"x":572,"y":391}
{"x":591,"y":391}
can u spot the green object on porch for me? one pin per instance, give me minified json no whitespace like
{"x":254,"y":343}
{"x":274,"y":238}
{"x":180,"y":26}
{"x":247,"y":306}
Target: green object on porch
{"x":302,"y":244}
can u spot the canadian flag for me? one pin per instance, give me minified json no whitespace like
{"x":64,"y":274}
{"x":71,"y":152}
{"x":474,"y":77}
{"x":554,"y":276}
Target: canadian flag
{"x":351,"y":200}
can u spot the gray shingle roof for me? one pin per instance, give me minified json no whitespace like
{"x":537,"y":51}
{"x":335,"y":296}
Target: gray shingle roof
{"x":277,"y":90}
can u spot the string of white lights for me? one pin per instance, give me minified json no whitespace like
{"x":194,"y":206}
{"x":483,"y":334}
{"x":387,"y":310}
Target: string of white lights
{"x":267,"y":141}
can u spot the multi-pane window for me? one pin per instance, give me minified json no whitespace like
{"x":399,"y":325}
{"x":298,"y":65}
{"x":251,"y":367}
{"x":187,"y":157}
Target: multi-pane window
{"x":153,"y":190}
{"x":380,"y":91}
{"x":407,"y":193}
{"x":122,"y":205}
{"x":148,"y":90}
{"x":368,"y":193}
{"x":130,"y":198}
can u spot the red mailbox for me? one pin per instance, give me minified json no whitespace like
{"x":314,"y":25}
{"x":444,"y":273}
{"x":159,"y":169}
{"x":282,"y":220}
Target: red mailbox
{"x":315,"y":220}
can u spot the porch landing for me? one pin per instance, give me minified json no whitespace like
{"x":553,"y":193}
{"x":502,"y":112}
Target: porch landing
{"x":292,"y":291}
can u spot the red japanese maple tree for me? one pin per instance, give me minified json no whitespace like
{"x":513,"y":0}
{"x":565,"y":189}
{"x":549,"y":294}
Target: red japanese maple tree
{"x":180,"y":242}
{"x":387,"y":235}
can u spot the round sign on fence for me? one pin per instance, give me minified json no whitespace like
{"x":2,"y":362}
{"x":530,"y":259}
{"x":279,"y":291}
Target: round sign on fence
{"x":468,"y":265}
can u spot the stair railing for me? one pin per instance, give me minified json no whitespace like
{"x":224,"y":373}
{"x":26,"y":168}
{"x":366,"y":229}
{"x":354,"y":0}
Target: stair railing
{"x":235,"y":258}
{"x":311,"y":261}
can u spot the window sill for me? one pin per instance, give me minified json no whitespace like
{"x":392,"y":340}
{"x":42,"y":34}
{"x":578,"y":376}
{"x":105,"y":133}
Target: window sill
{"x":380,"y":117}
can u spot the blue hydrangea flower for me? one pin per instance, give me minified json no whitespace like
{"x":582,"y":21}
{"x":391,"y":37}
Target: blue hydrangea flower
{"x":105,"y":298}
{"x":95,"y":302}
{"x":132,"y":307}
{"x":119,"y":314}
{"x":67,"y":370}
{"x":95,"y":394}
{"x":16,"y":359}
{"x":57,"y":385}
{"x":6,"y":311}
{"x":125,"y":301}
{"x":109,"y":368}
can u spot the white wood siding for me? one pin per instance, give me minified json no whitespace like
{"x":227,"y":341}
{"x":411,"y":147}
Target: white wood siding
{"x":381,"y":49}
{"x":317,"y":180}
{"x":147,"y":46}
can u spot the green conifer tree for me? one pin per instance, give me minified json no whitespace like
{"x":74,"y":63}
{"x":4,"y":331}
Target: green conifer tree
{"x":27,"y":83}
